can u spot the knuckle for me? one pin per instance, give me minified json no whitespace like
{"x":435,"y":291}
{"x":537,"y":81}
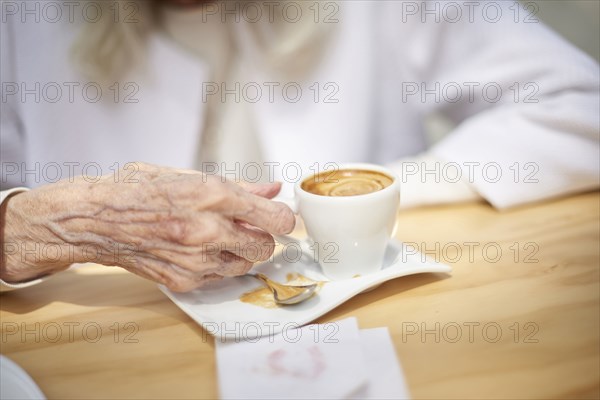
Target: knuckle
{"x":235,"y":200}
{"x":267,"y":247}
{"x":213,"y":231}
{"x":228,"y":258}
{"x":240,"y":267}
{"x":246,"y":267}
{"x":222,"y":196}
{"x":208,"y":278}
{"x":175,"y":230}
{"x":283,"y":219}
{"x":179,"y":284}
{"x":208,"y":255}
{"x":255,"y":246}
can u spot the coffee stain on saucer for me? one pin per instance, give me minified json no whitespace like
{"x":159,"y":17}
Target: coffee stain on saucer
{"x":263,"y":297}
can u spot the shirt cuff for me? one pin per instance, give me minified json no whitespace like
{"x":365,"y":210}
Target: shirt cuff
{"x":4,"y":286}
{"x":7,"y":287}
{"x":5,"y":194}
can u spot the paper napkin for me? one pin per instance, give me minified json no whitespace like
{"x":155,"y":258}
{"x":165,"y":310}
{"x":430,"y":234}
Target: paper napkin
{"x":385,"y":379}
{"x":327,"y":361}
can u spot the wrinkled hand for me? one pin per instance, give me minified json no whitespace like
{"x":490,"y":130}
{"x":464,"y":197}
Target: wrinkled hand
{"x":179,"y":228}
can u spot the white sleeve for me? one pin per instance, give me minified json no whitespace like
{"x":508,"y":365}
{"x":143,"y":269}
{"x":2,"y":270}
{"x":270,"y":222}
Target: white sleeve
{"x":530,"y":129}
{"x":5,"y":287}
{"x":12,"y":137}
{"x":422,"y":184}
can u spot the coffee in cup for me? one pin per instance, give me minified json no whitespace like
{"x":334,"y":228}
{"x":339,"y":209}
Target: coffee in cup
{"x":346,"y":182}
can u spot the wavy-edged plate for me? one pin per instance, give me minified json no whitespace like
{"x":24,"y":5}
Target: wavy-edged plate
{"x":218,"y":309}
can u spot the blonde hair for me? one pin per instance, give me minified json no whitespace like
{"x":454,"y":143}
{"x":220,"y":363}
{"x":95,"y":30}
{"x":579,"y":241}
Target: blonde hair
{"x":290,"y":48}
{"x":107,"y":49}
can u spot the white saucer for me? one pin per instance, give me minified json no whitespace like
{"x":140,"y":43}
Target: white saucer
{"x":15,"y":383}
{"x":218,"y":309}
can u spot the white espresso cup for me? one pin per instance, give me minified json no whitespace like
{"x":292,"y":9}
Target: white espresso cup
{"x":348,"y":235}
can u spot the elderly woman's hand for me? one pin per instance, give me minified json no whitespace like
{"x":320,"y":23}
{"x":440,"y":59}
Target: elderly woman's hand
{"x":178,"y":228}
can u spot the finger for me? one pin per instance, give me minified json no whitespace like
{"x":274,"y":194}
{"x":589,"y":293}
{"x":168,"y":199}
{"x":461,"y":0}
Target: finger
{"x":193,"y":280}
{"x":206,"y":279}
{"x":271,"y":216}
{"x":180,"y":279}
{"x":266,"y":190}
{"x":202,"y":260}
{"x":222,"y":264}
{"x":233,"y":265}
{"x":173,"y":276}
{"x":162,"y":272}
{"x":248,"y":242}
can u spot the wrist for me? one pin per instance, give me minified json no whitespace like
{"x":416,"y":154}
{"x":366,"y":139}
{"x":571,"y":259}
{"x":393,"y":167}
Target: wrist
{"x":29,"y":251}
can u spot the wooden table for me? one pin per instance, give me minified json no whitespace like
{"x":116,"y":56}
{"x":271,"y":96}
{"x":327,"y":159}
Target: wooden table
{"x":523,"y":324}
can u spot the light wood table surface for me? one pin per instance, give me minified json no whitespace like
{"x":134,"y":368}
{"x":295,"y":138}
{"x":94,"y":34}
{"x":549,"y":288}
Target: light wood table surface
{"x":522,"y":324}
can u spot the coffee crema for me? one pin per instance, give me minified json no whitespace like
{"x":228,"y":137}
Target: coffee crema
{"x":346,"y":182}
